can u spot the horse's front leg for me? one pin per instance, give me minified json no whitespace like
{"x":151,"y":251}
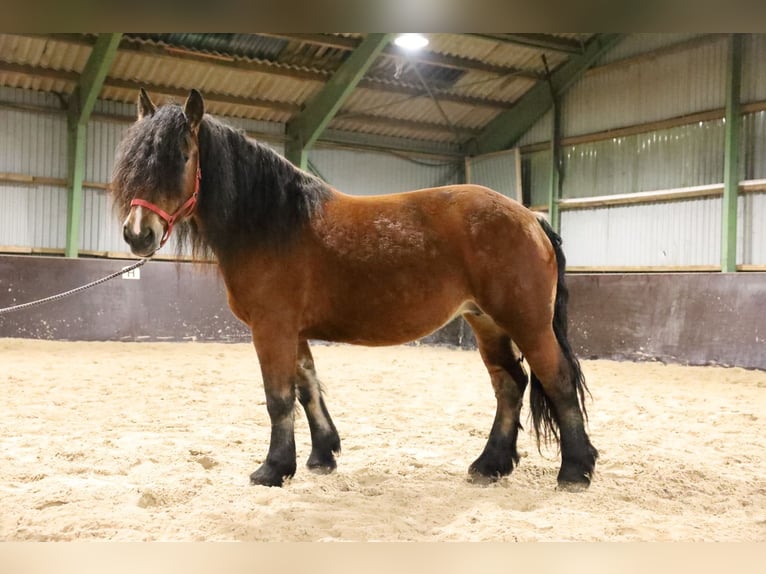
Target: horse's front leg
{"x":277,"y":357}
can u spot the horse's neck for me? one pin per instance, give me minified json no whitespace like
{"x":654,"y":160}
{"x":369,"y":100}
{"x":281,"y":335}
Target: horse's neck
{"x":249,"y":184}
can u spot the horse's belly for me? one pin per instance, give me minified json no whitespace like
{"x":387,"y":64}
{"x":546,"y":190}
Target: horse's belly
{"x":377,"y":325}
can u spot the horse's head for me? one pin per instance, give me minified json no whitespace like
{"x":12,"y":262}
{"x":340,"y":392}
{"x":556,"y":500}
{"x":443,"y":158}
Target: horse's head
{"x":155,"y":179}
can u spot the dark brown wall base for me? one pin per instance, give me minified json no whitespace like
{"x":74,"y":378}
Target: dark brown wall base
{"x":169,"y":302}
{"x":689,"y":318}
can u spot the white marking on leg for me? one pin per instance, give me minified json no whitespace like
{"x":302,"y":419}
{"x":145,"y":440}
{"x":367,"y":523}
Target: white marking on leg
{"x":314,"y":405}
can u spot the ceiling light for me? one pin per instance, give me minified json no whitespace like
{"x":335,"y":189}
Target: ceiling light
{"x":411,"y":41}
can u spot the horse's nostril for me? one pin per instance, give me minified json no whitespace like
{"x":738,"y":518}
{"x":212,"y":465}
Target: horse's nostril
{"x":144,"y":237}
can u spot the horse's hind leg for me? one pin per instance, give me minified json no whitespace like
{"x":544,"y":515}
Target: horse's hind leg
{"x":556,"y":400}
{"x":509,"y":381}
{"x":325,"y":442}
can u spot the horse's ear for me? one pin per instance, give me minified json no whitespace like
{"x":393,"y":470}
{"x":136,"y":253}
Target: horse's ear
{"x":145,"y":105}
{"x":194,"y":109}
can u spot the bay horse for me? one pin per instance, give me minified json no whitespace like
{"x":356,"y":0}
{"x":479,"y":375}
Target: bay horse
{"x":302,"y":261}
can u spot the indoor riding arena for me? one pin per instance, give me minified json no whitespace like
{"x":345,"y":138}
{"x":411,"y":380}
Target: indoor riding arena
{"x":137,"y":408}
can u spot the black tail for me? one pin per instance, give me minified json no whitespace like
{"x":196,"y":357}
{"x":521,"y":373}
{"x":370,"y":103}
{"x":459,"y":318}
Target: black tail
{"x":543,"y":416}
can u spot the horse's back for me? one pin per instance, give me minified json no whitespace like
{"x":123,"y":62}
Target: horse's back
{"x":477,"y":222}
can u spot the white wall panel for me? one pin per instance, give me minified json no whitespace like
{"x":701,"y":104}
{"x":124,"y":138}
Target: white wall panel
{"x":536,"y":177}
{"x":33,"y":143}
{"x":32,"y":216}
{"x":99,"y":228}
{"x":636,"y":44}
{"x":751,"y":230}
{"x":667,"y":233}
{"x":539,"y":132}
{"x":753,"y":77}
{"x":103,"y":137}
{"x":685,"y":156}
{"x":367,"y":173}
{"x":664,"y":87}
{"x":753,"y":146}
{"x":498,"y":171}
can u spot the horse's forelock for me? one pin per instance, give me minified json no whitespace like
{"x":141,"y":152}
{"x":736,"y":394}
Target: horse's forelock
{"x":148,"y":156}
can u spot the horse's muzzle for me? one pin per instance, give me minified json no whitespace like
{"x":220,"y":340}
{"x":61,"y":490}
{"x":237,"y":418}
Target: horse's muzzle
{"x":142,"y":244}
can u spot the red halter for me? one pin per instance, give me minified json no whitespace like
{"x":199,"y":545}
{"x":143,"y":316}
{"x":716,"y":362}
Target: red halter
{"x":184,"y":211}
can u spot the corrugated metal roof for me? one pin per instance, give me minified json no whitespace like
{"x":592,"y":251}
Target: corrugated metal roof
{"x":271,"y":77}
{"x":493,"y":52}
{"x":250,"y":46}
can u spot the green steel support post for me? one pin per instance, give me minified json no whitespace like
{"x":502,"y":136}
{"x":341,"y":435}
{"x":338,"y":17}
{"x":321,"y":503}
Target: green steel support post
{"x":554,"y":193}
{"x":731,"y":156}
{"x":76,"y":137}
{"x":307,"y":126}
{"x":81,"y":104}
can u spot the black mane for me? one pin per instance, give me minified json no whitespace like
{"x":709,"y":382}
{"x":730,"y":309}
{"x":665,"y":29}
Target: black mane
{"x":250,"y":196}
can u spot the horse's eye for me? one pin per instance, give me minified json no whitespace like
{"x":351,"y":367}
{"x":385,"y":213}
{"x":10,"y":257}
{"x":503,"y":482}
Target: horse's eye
{"x":185,"y":156}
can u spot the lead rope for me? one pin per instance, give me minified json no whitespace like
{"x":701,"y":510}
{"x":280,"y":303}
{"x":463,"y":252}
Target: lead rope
{"x":73,"y":291}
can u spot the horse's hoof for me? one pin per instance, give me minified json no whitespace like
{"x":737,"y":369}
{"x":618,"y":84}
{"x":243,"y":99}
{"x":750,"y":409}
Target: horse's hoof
{"x":321,"y":468}
{"x":488,"y":469}
{"x":482,"y":474}
{"x":573,"y":486}
{"x":573,"y":481}
{"x":322,"y":464}
{"x":574,"y":477}
{"x":322,"y":458}
{"x":480,"y":479}
{"x":267,"y":475}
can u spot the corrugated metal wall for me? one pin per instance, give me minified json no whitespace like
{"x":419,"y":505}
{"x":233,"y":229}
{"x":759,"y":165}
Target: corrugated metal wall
{"x":536,"y":177}
{"x":751,"y":231}
{"x":539,"y":132}
{"x":667,"y":86}
{"x":367,"y":173}
{"x":684,"y":78}
{"x":753,"y":76}
{"x":678,"y":157}
{"x":99,"y":228}
{"x":753,"y":148}
{"x":32,"y":143}
{"x":654,"y":234}
{"x":636,"y":44}
{"x":32,"y":216}
{"x":498,"y":171}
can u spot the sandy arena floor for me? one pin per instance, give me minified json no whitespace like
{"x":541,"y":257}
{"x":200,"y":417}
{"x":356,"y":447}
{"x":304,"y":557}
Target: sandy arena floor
{"x":127,"y":441}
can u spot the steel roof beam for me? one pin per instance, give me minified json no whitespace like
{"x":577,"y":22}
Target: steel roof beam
{"x":538,"y":41}
{"x":509,"y":126}
{"x":304,"y":129}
